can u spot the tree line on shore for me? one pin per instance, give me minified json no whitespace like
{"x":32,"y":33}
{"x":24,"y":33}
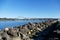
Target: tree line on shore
{"x":29,"y":19}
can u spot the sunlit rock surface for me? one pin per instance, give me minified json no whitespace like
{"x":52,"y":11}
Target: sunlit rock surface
{"x":48,"y":30}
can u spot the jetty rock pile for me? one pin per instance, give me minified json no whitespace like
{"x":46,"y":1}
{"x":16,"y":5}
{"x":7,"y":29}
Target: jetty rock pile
{"x":48,"y":30}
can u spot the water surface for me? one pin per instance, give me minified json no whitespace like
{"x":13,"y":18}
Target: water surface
{"x":12,"y":24}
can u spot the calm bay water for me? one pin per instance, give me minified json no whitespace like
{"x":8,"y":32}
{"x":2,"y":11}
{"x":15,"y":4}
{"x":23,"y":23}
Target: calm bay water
{"x":4,"y":24}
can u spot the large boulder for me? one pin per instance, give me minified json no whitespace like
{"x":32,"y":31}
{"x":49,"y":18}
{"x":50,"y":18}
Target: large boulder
{"x":12,"y":32}
{"x":16,"y":38}
{"x":5,"y":36}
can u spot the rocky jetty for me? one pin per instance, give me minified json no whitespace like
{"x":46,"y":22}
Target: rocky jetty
{"x":48,"y":30}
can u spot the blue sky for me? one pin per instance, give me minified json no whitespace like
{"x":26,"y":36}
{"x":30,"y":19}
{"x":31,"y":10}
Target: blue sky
{"x":30,"y":8}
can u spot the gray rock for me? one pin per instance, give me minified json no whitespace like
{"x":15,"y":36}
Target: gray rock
{"x":16,"y":38}
{"x":0,"y":37}
{"x":5,"y":36}
{"x":12,"y":32}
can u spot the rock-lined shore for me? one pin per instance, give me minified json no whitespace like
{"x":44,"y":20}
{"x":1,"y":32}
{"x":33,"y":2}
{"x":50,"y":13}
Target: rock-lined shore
{"x":33,"y":31}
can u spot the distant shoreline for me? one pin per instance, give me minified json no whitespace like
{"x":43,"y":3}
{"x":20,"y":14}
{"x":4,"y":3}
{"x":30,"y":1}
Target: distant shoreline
{"x":28,"y":19}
